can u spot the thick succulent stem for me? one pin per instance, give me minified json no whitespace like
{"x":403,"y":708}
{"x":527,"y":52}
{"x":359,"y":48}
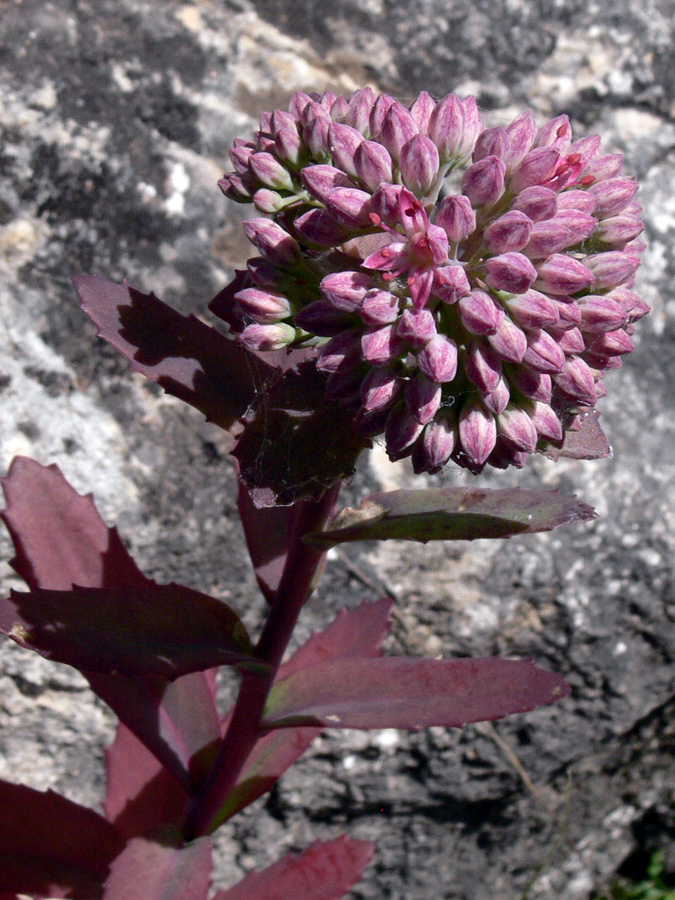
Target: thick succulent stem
{"x":302,"y":565}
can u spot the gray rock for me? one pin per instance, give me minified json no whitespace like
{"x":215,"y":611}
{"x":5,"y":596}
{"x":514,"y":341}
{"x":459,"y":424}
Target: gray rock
{"x":116,"y":120}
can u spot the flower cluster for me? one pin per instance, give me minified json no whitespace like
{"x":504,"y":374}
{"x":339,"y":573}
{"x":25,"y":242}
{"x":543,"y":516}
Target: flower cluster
{"x":466,"y":287}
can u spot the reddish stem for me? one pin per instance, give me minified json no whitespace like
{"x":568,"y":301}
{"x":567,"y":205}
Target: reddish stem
{"x":302,"y":564}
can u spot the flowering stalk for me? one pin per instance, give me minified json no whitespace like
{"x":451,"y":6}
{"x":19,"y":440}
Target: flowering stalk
{"x":454,"y":279}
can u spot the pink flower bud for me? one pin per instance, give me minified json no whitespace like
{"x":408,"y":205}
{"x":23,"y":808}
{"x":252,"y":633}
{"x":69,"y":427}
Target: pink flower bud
{"x":480,"y":313}
{"x":563,"y":274}
{"x":579,"y":225}
{"x":600,"y":168}
{"x":508,"y":341}
{"x":267,"y":337}
{"x":472,"y":125}
{"x":483,"y":182}
{"x":633,"y":306}
{"x":543,"y":353}
{"x":379,"y":389}
{"x":536,"y":168}
{"x":316,"y":135}
{"x":401,"y":432}
{"x":320,"y":228}
{"x":532,"y":310}
{"x":380,"y":346}
{"x":483,"y":365}
{"x":433,"y":451}
{"x":346,"y":290}
{"x":516,"y":427}
{"x":379,"y":307}
{"x":270,"y":172}
{"x":569,"y":314}
{"x":581,"y":201}
{"x":239,"y":188}
{"x":612,"y":269}
{"x":536,"y":385}
{"x":240,"y":156}
{"x":266,"y":307}
{"x":419,"y":164}
{"x":339,"y":109}
{"x":397,"y":129}
{"x":477,"y":432}
{"x":521,"y":132}
{"x":547,"y":423}
{"x":491,"y":142}
{"x":360,"y":104}
{"x":378,"y":113}
{"x":421,"y":111}
{"x":456,"y":217}
{"x":600,"y":313}
{"x":438,"y":359}
{"x":617,"y":231}
{"x":612,"y":343}
{"x":497,"y":400}
{"x":320,"y":180}
{"x":417,"y":328}
{"x":297,"y":103}
{"x":275,"y":244}
{"x":570,"y":341}
{"x":373,"y":164}
{"x":578,"y":381}
{"x":280,"y":120}
{"x":537,"y":202}
{"x":446,"y":126}
{"x":509,"y":232}
{"x":341,"y":353}
{"x":386,"y":203}
{"x":267,"y":201}
{"x":343,"y":141}
{"x":289,"y":148}
{"x":423,"y":398}
{"x":264,"y":275}
{"x":349,"y":206}
{"x":512,"y":272}
{"x":450,"y":283}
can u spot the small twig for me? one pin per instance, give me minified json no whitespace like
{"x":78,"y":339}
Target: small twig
{"x":488,"y":729}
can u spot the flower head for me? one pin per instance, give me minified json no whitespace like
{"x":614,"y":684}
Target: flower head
{"x":466,"y":288}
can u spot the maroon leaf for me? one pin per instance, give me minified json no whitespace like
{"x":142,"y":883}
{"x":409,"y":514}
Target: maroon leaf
{"x":296,"y":443}
{"x":452,"y":514}
{"x":267,"y":531}
{"x":396,"y":692}
{"x":176,"y":720}
{"x":51,"y":846}
{"x":189,"y":359}
{"x":60,"y":539}
{"x":141,"y":794}
{"x":358,"y":633}
{"x":148,"y":629}
{"x":585,"y":439}
{"x":325,"y":871}
{"x":161,"y":869}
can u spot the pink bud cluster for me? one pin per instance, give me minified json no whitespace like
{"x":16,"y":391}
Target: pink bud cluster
{"x":466,"y":288}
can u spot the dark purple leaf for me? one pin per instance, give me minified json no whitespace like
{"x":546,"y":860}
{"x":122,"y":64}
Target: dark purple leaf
{"x":189,"y":359}
{"x":584,"y":440}
{"x":60,"y":539}
{"x":161,"y":869}
{"x":322,"y":872}
{"x":267,"y":531}
{"x":452,"y":514}
{"x":176,"y":720}
{"x":296,"y":443}
{"x":358,"y":633}
{"x":149,"y":629}
{"x":141,"y":794}
{"x":51,"y":846}
{"x":396,"y":692}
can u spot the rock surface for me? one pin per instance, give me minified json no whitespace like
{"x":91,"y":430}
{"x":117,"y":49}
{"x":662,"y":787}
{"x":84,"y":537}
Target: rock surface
{"x":116,"y":118}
